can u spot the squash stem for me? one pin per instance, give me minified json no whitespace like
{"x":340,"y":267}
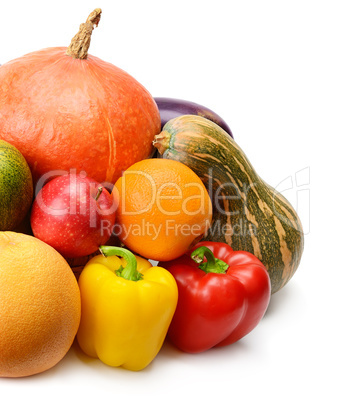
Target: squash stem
{"x":162,"y":141}
{"x":212,"y":264}
{"x":78,"y":48}
{"x":128,"y":272}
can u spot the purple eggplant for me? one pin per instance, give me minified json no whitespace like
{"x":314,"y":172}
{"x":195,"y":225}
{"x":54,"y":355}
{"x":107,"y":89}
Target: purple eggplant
{"x":170,"y":108}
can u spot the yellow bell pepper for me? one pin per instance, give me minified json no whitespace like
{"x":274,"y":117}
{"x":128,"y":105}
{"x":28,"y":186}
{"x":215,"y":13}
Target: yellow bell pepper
{"x":126,"y":308}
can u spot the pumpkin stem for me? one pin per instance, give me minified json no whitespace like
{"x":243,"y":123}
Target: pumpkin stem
{"x":79,"y":45}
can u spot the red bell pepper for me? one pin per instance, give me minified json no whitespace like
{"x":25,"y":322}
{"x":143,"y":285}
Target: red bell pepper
{"x":220,"y":300}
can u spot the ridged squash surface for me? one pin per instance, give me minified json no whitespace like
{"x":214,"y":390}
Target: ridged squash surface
{"x":248,"y":214}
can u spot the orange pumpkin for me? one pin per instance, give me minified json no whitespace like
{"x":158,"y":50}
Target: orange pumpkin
{"x":64,"y":109}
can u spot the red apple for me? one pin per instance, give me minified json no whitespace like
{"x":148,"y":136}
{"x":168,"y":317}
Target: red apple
{"x":74,"y":214}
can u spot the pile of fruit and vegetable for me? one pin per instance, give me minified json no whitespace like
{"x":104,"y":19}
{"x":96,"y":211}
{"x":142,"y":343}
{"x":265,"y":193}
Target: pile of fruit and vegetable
{"x":125,"y":219}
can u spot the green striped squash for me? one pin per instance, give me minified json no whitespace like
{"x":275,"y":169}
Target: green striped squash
{"x":16,"y":188}
{"x":248,"y":214}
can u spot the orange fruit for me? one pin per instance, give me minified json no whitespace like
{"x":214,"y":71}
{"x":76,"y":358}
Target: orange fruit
{"x":39,"y":308}
{"x":163,"y":208}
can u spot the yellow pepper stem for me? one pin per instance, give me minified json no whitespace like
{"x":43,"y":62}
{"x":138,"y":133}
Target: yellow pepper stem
{"x":128,"y":272}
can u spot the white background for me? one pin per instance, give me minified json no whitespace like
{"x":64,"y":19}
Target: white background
{"x":274,"y":71}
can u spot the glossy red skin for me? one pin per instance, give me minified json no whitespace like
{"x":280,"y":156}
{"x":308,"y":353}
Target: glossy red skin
{"x":217,"y":309}
{"x":66,"y":215}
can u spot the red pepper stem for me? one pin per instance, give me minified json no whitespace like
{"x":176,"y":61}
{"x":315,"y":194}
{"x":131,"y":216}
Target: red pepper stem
{"x":212,"y":264}
{"x":128,"y":272}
